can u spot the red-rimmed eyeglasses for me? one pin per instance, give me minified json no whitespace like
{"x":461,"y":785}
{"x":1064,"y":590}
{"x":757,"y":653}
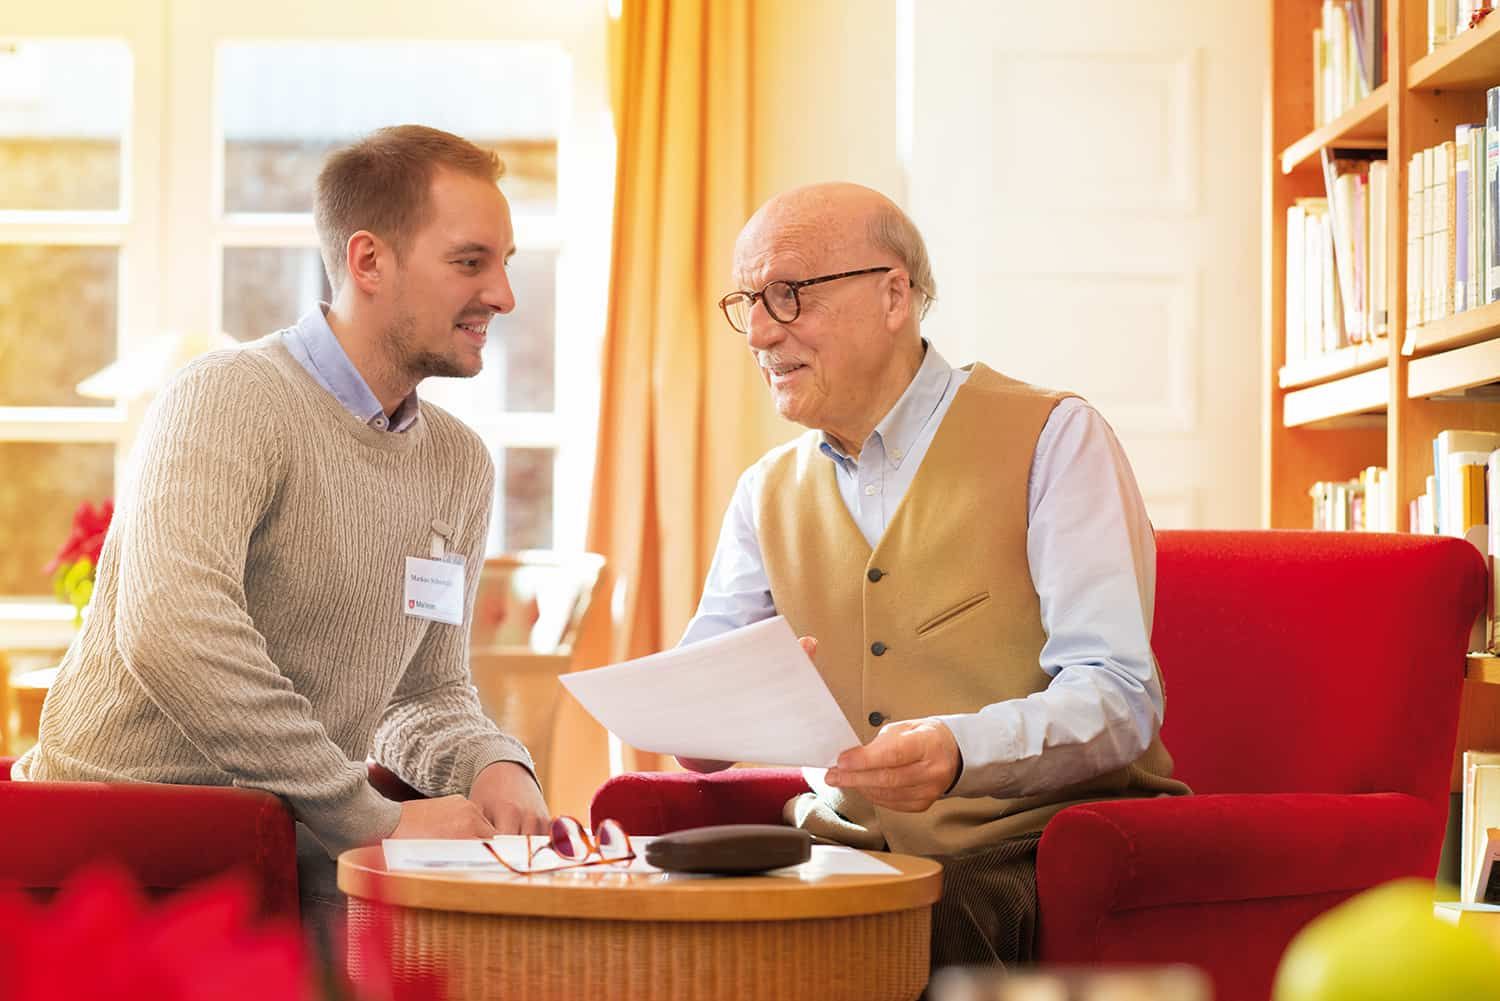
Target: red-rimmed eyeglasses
{"x":571,"y":842}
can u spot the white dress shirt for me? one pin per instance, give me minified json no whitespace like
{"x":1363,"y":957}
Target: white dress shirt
{"x":313,"y":343}
{"x":1093,"y":563}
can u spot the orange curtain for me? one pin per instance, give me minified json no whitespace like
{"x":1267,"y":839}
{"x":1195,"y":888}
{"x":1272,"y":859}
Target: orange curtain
{"x":682,"y":411}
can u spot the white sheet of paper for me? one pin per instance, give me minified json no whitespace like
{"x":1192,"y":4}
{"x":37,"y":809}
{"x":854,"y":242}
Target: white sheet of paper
{"x":469,"y":856}
{"x":746,"y":695}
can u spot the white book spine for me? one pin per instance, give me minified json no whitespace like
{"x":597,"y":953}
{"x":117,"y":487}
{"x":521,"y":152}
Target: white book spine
{"x":1492,"y":514}
{"x":1296,"y":271}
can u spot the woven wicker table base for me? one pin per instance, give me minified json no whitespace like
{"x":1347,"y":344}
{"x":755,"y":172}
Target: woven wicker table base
{"x":869,"y":957}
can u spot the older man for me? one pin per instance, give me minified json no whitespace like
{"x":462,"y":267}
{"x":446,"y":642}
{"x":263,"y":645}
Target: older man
{"x":967,"y":555}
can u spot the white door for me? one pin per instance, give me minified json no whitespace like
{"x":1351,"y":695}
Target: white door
{"x":1088,"y":178}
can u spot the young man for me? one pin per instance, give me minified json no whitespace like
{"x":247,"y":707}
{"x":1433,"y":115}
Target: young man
{"x":259,"y":619}
{"x":967,"y":557}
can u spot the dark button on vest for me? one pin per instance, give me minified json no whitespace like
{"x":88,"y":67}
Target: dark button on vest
{"x":877,"y":718}
{"x":878,"y":648}
{"x":875,"y":573}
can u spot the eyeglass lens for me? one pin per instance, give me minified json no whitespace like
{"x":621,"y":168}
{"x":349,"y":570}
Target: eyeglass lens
{"x":779,"y":298}
{"x":613,"y":843}
{"x":569,"y":840}
{"x":781,"y":301}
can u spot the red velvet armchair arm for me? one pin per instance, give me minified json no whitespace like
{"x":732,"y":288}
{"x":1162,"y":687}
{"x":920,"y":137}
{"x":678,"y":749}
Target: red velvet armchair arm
{"x":165,"y":836}
{"x":658,"y":802}
{"x":1220,"y":880}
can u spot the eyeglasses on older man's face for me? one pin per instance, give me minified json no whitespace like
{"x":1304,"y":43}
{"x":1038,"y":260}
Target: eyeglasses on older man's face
{"x":779,"y":297}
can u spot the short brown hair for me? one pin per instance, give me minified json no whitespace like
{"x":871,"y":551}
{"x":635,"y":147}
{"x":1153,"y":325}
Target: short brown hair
{"x":382,"y":184}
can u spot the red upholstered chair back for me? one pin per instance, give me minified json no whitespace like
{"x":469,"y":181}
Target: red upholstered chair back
{"x":1312,"y":661}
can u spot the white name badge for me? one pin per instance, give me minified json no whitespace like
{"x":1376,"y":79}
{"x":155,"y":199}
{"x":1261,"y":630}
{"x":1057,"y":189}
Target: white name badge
{"x":435,"y":589}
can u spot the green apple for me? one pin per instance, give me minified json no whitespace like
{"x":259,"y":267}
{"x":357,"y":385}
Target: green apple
{"x":1386,"y":945}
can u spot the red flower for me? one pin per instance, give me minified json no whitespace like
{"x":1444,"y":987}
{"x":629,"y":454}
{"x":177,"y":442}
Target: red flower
{"x":100,"y":940}
{"x":90,"y":525}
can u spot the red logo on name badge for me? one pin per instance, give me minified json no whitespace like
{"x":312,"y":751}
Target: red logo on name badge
{"x":411,"y":602}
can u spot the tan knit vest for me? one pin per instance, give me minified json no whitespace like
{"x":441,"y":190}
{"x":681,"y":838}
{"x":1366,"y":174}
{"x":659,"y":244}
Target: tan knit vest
{"x":940,"y":618}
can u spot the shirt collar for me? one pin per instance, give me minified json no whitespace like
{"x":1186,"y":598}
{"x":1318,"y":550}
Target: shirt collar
{"x":899,"y":429}
{"x":338,"y":374}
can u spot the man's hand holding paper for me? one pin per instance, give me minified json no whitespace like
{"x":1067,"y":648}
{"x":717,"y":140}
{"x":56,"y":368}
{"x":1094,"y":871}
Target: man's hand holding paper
{"x":907,"y":767}
{"x":747,"y":695}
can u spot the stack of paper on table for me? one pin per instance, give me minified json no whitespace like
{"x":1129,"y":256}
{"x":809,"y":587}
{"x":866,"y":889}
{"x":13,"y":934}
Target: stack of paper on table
{"x":469,"y":856}
{"x":747,"y":695}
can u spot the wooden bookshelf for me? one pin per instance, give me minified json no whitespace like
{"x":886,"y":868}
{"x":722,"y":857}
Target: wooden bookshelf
{"x":1334,"y":364}
{"x":1469,"y":62}
{"x":1362,"y":126}
{"x":1482,"y":667}
{"x":1367,"y":393}
{"x":1449,"y":373}
{"x":1468,"y":327}
{"x":1328,"y":419}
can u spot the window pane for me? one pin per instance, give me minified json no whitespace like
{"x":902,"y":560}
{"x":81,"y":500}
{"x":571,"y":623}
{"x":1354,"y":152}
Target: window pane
{"x":519,"y":356}
{"x":285,"y":105}
{"x":267,"y":288}
{"x":44,"y":483}
{"x":57,"y":322}
{"x":524,"y":507}
{"x":64,"y":105}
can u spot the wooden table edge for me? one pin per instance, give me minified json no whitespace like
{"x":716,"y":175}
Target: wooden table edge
{"x":362,"y":874}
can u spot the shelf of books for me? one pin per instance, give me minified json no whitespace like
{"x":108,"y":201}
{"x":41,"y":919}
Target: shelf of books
{"x":1353,"y":396}
{"x":1382,"y":285}
{"x":1330,"y":365}
{"x":1474,"y":369}
{"x":1361,"y":126}
{"x":1467,"y":327}
{"x":1383,"y":292}
{"x":1468,"y":59}
{"x":1483,"y":667}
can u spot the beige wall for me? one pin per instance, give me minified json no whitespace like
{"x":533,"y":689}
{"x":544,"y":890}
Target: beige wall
{"x":827,"y":107}
{"x":1174,"y":242}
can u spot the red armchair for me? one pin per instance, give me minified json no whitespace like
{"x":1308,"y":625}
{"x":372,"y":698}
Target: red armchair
{"x":1313,"y":684}
{"x":166,"y":836}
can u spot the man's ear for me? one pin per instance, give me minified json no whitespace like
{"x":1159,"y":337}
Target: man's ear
{"x":366,"y":257}
{"x":898,"y":299}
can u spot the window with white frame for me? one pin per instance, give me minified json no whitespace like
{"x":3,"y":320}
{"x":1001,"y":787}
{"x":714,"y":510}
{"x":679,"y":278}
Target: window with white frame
{"x":153,"y":189}
{"x":65,"y":126}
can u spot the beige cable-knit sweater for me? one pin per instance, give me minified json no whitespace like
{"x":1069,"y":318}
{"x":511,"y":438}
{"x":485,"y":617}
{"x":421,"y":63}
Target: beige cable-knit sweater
{"x":247,"y":625}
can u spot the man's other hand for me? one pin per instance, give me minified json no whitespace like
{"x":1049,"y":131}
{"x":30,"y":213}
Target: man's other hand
{"x":444,"y":817}
{"x":511,"y":799}
{"x":906,"y":767}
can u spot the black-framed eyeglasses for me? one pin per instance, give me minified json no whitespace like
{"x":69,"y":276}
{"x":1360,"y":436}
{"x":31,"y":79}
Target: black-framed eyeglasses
{"x":779,"y":297}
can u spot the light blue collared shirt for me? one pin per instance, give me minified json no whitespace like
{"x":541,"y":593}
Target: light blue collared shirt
{"x":313,"y":344}
{"x":1093,"y":563}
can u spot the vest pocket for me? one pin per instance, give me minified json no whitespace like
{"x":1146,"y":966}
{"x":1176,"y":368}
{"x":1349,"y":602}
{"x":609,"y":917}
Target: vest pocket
{"x":948,"y":615}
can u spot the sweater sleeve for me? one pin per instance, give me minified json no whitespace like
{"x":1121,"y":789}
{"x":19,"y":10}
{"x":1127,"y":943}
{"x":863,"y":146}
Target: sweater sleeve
{"x":205,"y":472}
{"x":434,"y":733}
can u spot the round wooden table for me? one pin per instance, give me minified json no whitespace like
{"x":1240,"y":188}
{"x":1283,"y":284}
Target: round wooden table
{"x":647,"y":936}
